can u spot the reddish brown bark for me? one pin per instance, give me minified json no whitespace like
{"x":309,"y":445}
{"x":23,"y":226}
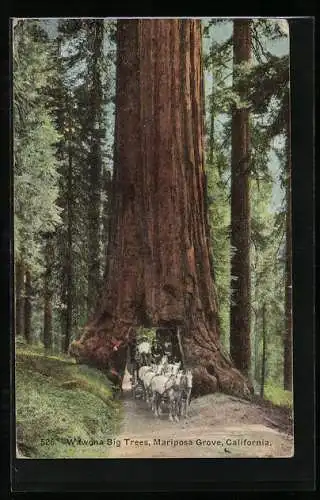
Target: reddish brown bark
{"x":158,"y":267}
{"x":240,"y":310}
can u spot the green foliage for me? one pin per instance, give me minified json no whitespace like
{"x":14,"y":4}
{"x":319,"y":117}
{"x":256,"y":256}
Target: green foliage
{"x":267,"y":283}
{"x":81,"y":95}
{"x":219,"y":220}
{"x":267,"y":81}
{"x":35,"y":138}
{"x":36,"y":175}
{"x":57,"y":399}
{"x":60,"y":118}
{"x":149,"y":333}
{"x":264,"y":83}
{"x":278,"y":396}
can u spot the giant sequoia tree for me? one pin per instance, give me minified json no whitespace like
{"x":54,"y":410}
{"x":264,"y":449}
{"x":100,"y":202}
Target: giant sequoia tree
{"x":158,"y":266}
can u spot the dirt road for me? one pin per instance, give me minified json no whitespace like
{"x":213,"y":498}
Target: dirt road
{"x":218,"y":426}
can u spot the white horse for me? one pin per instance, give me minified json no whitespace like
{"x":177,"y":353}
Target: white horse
{"x":147,"y":373}
{"x":166,"y":387}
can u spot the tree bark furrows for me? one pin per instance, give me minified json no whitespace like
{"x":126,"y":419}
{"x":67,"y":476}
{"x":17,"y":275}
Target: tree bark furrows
{"x":27,"y":306}
{"x":159,"y":271}
{"x":19,"y":291}
{"x":240,"y":214}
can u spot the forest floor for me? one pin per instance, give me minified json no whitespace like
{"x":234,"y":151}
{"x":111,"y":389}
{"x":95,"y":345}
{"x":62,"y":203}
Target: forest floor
{"x":229,"y":426}
{"x":59,"y":402}
{"x":218,"y":425}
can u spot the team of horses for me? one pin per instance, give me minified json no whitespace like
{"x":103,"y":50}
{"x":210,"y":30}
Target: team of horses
{"x":161,"y":383}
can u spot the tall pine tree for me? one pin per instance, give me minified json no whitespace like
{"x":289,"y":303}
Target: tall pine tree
{"x":240,"y":312}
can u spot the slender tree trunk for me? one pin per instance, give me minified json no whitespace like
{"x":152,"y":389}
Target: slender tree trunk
{"x":264,"y":351}
{"x":68,"y":268}
{"x":255,"y":320}
{"x":256,"y":351}
{"x":47,"y":313}
{"x":27,"y":307}
{"x":240,"y":214}
{"x":95,"y":167}
{"x":287,"y":368}
{"x":158,"y":270}
{"x":211,"y":139}
{"x":256,"y":368}
{"x":19,"y":290}
{"x":106,"y":208}
{"x":254,"y":346}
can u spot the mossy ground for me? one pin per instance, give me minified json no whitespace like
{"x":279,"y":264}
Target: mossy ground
{"x":58,"y":400}
{"x":278,"y":396}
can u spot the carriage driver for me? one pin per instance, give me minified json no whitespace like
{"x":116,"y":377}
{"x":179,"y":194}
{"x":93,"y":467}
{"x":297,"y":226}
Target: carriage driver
{"x":156,"y":351}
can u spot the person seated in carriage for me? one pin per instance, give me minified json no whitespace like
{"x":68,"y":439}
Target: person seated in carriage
{"x":143,"y":355}
{"x":168,"y":351}
{"x":156,"y":351}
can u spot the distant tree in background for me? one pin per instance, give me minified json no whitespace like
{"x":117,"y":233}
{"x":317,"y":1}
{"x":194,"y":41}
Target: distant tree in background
{"x":80,"y":97}
{"x":266,"y":82}
{"x":48,"y":292}
{"x":217,"y":58}
{"x":35,"y":166}
{"x":240,"y":311}
{"x":96,"y":31}
{"x":269,"y":97}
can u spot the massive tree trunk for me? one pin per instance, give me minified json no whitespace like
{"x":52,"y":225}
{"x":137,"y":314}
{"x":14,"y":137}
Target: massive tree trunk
{"x":96,"y":36}
{"x":240,"y":312}
{"x":27,"y":307}
{"x":48,"y":292}
{"x":158,"y":267}
{"x":19,"y":290}
{"x":287,"y":366}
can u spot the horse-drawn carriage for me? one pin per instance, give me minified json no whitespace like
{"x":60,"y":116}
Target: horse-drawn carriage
{"x":159,"y":377}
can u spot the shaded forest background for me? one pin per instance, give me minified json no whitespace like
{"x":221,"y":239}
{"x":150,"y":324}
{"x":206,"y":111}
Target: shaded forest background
{"x":63,"y":104}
